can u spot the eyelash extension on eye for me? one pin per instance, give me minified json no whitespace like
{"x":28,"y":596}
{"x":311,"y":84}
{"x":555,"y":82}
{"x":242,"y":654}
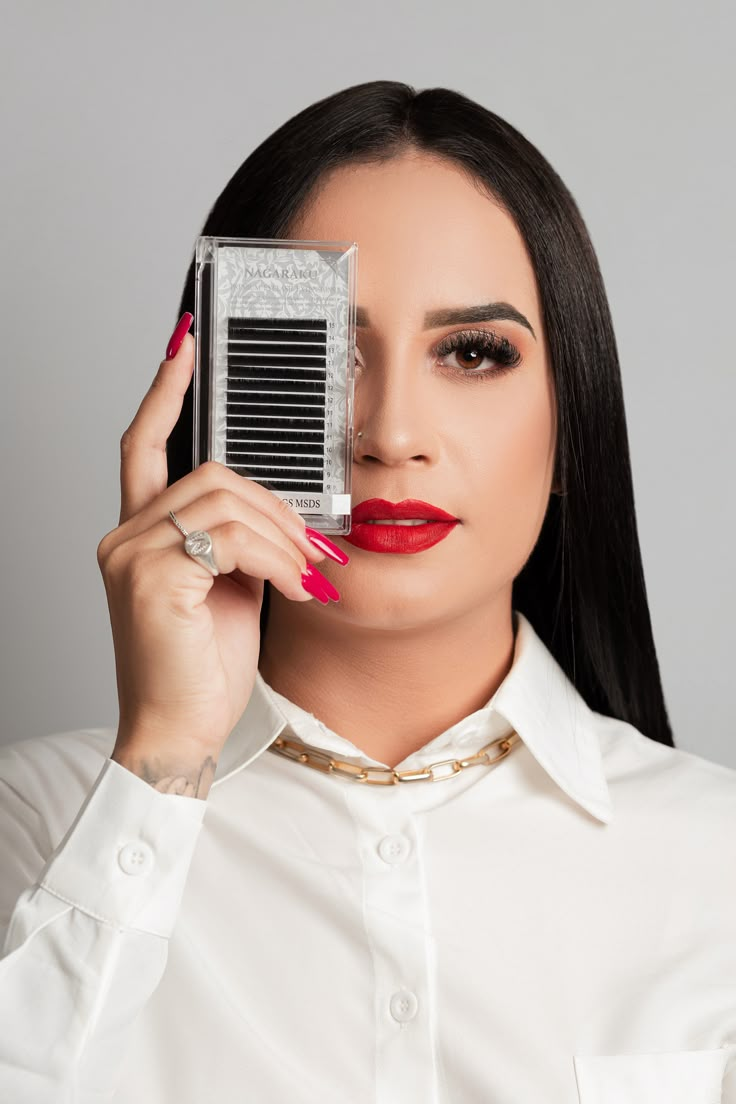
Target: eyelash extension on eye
{"x":487,"y":344}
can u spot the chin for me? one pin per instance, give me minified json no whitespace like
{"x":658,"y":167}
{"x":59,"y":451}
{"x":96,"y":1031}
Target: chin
{"x":399,"y":606}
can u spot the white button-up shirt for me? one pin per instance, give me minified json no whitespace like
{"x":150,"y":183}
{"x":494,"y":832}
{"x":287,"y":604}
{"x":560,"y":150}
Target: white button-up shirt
{"x":559,"y":928}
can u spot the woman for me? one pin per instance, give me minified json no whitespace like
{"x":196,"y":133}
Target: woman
{"x":555,"y":922}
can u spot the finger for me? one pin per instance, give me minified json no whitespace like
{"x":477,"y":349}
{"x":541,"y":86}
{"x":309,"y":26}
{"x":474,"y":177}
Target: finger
{"x":209,"y":479}
{"x":143,"y":466}
{"x":235,"y":548}
{"x":217,"y":508}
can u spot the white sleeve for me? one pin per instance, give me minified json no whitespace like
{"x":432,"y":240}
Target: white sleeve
{"x":87,"y":938}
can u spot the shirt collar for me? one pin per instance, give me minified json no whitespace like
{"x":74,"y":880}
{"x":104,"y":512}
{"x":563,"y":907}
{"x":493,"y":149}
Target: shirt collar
{"x":535,"y":698}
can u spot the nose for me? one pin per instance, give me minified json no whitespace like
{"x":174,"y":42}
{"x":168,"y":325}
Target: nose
{"x":394,"y":422}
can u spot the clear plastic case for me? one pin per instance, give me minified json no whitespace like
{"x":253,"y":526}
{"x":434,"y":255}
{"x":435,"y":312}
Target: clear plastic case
{"x":274,"y":331}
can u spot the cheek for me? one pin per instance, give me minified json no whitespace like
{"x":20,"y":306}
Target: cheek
{"x":510,"y":461}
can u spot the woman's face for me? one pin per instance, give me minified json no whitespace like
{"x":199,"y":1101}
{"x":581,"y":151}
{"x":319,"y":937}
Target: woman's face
{"x":446,"y":426}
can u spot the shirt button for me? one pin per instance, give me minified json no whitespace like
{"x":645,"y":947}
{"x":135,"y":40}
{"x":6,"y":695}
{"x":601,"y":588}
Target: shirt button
{"x":403,"y":1006}
{"x":135,"y":858}
{"x":394,"y":849}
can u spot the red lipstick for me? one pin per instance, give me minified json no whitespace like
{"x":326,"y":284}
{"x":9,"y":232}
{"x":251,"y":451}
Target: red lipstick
{"x":398,"y":538}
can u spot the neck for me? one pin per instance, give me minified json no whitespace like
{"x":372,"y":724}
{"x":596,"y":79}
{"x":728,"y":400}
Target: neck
{"x":388,"y":691}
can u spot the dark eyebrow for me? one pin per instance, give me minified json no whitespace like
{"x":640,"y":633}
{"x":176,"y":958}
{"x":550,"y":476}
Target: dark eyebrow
{"x":485,"y":312}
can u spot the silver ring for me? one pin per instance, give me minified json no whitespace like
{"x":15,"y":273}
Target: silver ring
{"x":198,"y":545}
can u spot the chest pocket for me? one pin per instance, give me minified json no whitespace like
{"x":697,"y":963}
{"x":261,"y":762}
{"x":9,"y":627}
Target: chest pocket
{"x":671,"y":1077}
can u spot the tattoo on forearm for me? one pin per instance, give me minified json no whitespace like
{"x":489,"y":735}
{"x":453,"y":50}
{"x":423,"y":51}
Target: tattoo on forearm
{"x":189,"y":783}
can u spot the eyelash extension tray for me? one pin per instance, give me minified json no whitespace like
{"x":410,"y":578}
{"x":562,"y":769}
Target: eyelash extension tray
{"x":274,"y":368}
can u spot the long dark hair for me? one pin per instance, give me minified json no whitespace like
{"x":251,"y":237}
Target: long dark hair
{"x":583,"y":586}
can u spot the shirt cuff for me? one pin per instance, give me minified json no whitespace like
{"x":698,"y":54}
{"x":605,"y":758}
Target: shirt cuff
{"x":126,"y":856}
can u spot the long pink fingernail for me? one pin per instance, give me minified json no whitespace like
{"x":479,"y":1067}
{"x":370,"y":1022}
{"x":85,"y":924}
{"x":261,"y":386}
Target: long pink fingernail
{"x":315,"y":577}
{"x":180,"y":331}
{"x":326,"y":545}
{"x":313,"y":586}
{"x":329,"y":589}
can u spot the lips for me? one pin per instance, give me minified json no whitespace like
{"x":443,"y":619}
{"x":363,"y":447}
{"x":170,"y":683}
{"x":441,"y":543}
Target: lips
{"x":398,"y":538}
{"x":379,"y":509}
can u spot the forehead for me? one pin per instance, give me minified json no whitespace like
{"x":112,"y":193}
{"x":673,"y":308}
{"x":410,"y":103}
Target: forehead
{"x":427,"y":236}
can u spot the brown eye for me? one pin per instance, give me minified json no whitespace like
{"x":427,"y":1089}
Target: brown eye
{"x":471,"y":349}
{"x":469,"y":356}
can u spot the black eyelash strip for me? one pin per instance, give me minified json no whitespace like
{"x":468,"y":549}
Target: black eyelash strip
{"x":276,"y":401}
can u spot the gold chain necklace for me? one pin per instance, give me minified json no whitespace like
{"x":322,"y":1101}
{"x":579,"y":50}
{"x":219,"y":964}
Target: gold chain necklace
{"x":388,"y":776}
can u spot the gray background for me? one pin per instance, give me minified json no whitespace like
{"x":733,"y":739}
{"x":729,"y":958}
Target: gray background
{"x":120,"y":127}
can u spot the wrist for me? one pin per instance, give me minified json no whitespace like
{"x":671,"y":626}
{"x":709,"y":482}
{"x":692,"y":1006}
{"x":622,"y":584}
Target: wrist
{"x":168,"y":765}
